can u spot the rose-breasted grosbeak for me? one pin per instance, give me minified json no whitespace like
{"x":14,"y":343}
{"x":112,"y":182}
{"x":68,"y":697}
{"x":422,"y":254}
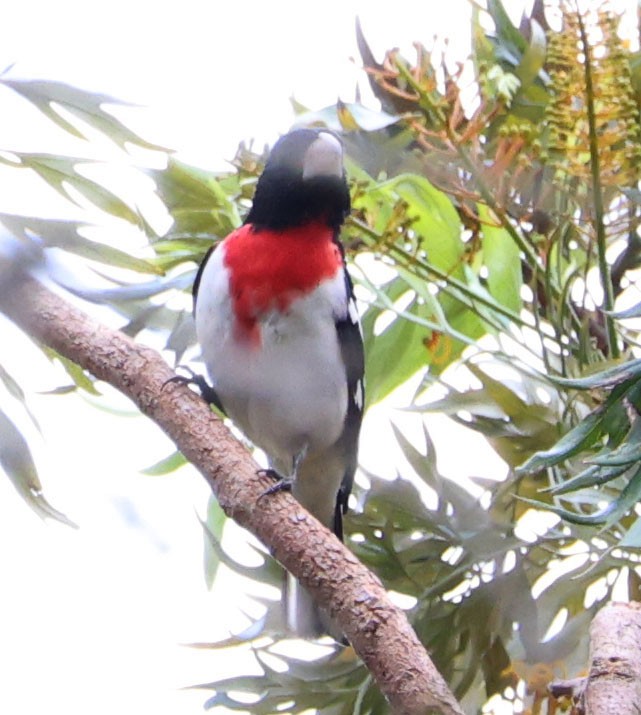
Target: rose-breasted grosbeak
{"x":280,"y":335}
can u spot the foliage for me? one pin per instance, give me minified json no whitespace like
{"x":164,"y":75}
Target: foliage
{"x":481,"y":243}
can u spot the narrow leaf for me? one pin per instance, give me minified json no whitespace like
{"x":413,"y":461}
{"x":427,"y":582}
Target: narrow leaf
{"x":580,"y":437}
{"x":632,"y":537}
{"x":508,"y":34}
{"x":595,"y":519}
{"x":630,"y":496}
{"x":80,"y":378}
{"x":632,"y":312}
{"x":626,"y":454}
{"x":629,"y":370}
{"x":63,"y":234}
{"x":60,"y":172}
{"x":506,"y":399}
{"x":165,"y":466}
{"x":534,"y":56}
{"x":18,"y":464}
{"x":362,"y":117}
{"x":502,"y":260}
{"x":608,"y":516}
{"x":593,"y":476}
{"x":213,"y":529}
{"x":14,"y":389}
{"x":47,"y":96}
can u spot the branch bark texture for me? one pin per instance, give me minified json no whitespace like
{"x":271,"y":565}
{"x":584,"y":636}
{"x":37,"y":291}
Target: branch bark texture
{"x":614,"y":681}
{"x":378,"y":631}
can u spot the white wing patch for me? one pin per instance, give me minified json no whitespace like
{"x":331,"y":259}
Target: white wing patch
{"x":352,"y":311}
{"x":358,"y":395}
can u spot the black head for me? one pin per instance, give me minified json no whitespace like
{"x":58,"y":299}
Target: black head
{"x":303,"y":180}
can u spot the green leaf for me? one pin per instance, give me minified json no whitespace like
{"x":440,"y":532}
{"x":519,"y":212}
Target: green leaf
{"x":49,"y":97}
{"x":18,"y":464}
{"x":511,"y":404}
{"x":14,"y":389}
{"x":595,"y":519}
{"x":626,"y":454}
{"x":361,"y":117}
{"x":423,"y":464}
{"x":268,"y":571}
{"x":60,"y":172}
{"x":165,"y":466}
{"x":196,"y":200}
{"x":628,"y":370}
{"x":507,"y":33}
{"x":534,"y":56}
{"x":452,"y":325}
{"x":475,"y":401}
{"x":593,"y":476}
{"x":63,"y":234}
{"x":608,"y":516}
{"x":182,"y":335}
{"x":632,"y":537}
{"x":632,"y":312}
{"x":626,"y":500}
{"x":580,"y":437}
{"x":512,"y":426}
{"x":449,"y":324}
{"x":483,"y":50}
{"x":402,"y":338}
{"x":137,"y":294}
{"x":80,"y":378}
{"x":436,"y":220}
{"x":213,"y":527}
{"x":502,"y":259}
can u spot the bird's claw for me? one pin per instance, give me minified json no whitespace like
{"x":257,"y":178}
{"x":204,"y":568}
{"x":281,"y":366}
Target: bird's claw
{"x":192,"y":379}
{"x":282,"y":484}
{"x":269,"y":472}
{"x":207,"y":392}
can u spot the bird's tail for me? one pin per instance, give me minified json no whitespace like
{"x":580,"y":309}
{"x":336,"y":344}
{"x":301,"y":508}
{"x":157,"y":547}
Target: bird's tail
{"x":317,"y":487}
{"x":302,"y":616}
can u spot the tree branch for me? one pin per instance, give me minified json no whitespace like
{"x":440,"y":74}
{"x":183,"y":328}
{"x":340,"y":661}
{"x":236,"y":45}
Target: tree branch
{"x":614,"y":681}
{"x":613,"y":684}
{"x":378,"y":631}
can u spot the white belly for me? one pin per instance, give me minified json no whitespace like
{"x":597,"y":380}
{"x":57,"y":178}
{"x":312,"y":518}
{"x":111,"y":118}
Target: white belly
{"x":288,"y":394}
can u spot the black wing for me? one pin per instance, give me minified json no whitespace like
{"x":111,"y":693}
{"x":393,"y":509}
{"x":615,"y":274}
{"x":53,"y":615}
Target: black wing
{"x":351,"y":342}
{"x":199,"y":275}
{"x":207,"y":392}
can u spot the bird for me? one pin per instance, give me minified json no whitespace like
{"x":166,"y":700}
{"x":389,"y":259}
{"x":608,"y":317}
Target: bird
{"x":281,"y":338}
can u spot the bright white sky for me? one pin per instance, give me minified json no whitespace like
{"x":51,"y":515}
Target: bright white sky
{"x":213,"y":72}
{"x":90,"y":619}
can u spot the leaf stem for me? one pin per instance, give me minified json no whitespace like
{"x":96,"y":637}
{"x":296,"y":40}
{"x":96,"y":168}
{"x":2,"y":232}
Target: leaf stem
{"x":465,"y":294}
{"x":597,"y":193}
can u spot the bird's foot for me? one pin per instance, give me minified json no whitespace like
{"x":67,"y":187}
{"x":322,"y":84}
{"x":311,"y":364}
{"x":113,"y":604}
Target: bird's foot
{"x":283,"y":484}
{"x":269,"y":472}
{"x":207,"y":392}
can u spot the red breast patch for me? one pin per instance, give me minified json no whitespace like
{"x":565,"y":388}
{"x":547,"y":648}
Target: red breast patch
{"x":270,"y":269}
